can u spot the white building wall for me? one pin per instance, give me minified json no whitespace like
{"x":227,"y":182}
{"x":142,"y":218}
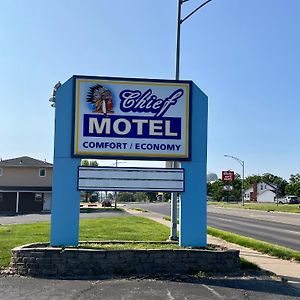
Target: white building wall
{"x":262,"y":186}
{"x":247,"y":194}
{"x":266,"y":197}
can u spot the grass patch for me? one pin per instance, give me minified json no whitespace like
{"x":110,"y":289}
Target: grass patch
{"x":267,"y":248}
{"x":126,"y":246}
{"x":248,"y":265}
{"x":122,"y":228}
{"x":139,"y":209}
{"x":15,"y":235}
{"x":291,"y":208}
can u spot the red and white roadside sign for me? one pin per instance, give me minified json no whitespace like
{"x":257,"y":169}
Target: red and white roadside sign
{"x":227,"y":175}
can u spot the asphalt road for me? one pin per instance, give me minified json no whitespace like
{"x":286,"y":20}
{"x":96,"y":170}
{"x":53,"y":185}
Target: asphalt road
{"x":264,"y":288}
{"x":276,"y":228}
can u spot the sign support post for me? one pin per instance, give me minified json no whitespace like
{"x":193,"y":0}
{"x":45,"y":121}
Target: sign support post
{"x":193,"y":204}
{"x":65,"y":207}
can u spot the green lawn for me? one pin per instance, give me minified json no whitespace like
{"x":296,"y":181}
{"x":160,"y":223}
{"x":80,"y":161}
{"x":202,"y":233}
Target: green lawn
{"x":125,"y":228}
{"x":291,"y":208}
{"x":130,"y":245}
{"x":271,"y":249}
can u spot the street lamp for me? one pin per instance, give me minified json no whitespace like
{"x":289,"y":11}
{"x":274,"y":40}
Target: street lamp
{"x":174,"y":164}
{"x":179,"y":22}
{"x":242,"y":163}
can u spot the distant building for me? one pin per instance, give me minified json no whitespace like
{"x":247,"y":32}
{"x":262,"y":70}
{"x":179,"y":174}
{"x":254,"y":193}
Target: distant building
{"x":261,"y":192}
{"x":211,"y":177}
{"x":25,"y":185}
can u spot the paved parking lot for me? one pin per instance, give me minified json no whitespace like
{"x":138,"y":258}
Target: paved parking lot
{"x":44,"y":217}
{"x":189,"y":288}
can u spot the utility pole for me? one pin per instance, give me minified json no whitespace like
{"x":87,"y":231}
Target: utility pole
{"x":174,"y":164}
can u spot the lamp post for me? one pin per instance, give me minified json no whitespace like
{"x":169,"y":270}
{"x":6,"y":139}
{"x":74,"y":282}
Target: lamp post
{"x":242,"y":163}
{"x":173,"y":234}
{"x":179,"y":22}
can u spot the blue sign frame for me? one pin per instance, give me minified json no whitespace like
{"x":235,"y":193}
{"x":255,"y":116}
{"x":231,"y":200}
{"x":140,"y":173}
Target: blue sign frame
{"x":65,"y":208}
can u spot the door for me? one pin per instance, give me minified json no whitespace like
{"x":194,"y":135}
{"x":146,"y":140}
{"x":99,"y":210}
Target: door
{"x":30,"y":202}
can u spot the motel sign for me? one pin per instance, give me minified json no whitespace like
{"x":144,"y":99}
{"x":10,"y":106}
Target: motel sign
{"x":129,"y":118}
{"x":117,"y":118}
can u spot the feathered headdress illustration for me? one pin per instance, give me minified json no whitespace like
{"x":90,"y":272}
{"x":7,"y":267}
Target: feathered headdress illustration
{"x":101,"y":97}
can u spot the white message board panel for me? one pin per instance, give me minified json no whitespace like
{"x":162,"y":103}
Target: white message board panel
{"x":131,"y":179}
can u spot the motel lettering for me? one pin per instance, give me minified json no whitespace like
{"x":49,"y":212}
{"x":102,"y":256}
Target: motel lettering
{"x":128,"y":126}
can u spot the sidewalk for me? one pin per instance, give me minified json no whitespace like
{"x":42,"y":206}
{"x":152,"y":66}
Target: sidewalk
{"x":287,"y":270}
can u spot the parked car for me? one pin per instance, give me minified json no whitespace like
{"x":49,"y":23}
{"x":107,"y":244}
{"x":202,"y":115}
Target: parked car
{"x":94,"y":197}
{"x":229,"y":199}
{"x":288,"y":200}
{"x":106,"y":203}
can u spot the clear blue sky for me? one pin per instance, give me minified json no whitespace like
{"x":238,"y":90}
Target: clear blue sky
{"x":245,"y":55}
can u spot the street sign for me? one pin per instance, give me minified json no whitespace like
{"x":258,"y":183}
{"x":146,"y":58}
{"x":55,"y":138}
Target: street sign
{"x":227,"y":175}
{"x":228,"y":188}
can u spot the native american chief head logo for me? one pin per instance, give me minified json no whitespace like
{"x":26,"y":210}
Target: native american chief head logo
{"x":101,"y":98}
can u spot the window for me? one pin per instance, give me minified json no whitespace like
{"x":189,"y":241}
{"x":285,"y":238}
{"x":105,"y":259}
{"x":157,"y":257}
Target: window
{"x":261,"y":187}
{"x":1,"y":172}
{"x":42,"y":172}
{"x":38,"y":197}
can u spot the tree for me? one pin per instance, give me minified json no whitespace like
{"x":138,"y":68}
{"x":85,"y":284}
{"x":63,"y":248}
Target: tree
{"x":237,"y":187}
{"x":151,"y":196}
{"x":110,"y":196}
{"x":293,"y":187}
{"x":275,"y":180}
{"x":86,"y":163}
{"x":295,"y":178}
{"x":248,"y":182}
{"x":139,"y":196}
{"x":216,"y":189}
{"x":125,"y":197}
{"x":167,"y":196}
